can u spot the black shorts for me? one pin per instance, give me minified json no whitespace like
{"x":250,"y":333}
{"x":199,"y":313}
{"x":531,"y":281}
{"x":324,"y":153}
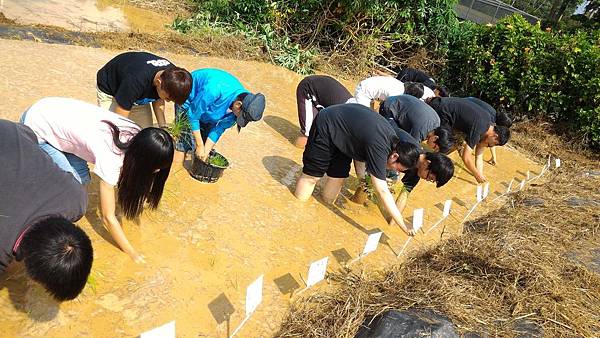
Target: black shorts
{"x":322,"y":156}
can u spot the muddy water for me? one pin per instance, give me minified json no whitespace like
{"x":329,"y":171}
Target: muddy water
{"x":85,"y":15}
{"x":207,"y":242}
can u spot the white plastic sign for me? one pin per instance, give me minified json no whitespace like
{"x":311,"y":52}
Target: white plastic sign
{"x":254,"y":295}
{"x":557,"y":162}
{"x":165,"y":331}
{"x":522,"y":185}
{"x":316,"y":272}
{"x":510,"y":185}
{"x":447,"y":206}
{"x":486,"y":190}
{"x":372,"y":242}
{"x":479,"y":193}
{"x":417,"y":219}
{"x":528,"y":175}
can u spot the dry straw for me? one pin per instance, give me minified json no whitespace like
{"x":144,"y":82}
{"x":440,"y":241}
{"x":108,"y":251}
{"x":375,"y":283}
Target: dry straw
{"x":510,"y":267}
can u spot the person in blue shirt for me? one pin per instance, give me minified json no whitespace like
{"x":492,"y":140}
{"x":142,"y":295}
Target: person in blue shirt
{"x":217,"y":102}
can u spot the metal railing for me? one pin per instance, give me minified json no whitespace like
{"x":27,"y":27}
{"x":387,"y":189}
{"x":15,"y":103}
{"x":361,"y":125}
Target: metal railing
{"x":488,"y":11}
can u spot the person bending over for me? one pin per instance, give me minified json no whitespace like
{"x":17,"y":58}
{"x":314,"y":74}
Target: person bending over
{"x":345,"y":132}
{"x":314,"y":93}
{"x":500,"y":118}
{"x":379,"y":88}
{"x":479,"y":131}
{"x":416,"y":75}
{"x":38,"y":204}
{"x":218,"y":101}
{"x":134,"y":160}
{"x":431,"y":167}
{"x":419,"y":120}
{"x":133,"y":81}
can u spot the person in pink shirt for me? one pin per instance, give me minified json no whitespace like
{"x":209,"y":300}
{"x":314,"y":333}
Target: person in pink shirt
{"x":136,"y":161}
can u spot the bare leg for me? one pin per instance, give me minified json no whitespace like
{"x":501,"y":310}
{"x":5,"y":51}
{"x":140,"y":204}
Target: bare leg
{"x":332,"y":189}
{"x":494,"y":159}
{"x":305,"y":187}
{"x":301,"y":141}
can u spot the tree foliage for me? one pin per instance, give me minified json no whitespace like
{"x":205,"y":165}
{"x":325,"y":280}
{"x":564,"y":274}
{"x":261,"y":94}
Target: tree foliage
{"x":533,"y":72}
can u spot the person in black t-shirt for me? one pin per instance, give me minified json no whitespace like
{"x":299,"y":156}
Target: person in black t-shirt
{"x":432,"y":167}
{"x":415,"y":75}
{"x":498,"y":118}
{"x":132,"y":81}
{"x":38,"y":204}
{"x":419,"y":120}
{"x":476,"y":124}
{"x":314,"y":93}
{"x":344,"y":132}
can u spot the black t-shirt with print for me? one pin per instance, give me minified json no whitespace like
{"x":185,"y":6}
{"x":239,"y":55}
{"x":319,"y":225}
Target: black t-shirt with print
{"x":462,"y":115}
{"x":128,"y":77}
{"x":32,"y":187}
{"x":361,"y":134}
{"x":325,"y":91}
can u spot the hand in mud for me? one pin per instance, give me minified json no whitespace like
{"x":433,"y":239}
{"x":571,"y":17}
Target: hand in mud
{"x":139,"y":259}
{"x":492,"y":161}
{"x":201,"y":155}
{"x":480,"y":178}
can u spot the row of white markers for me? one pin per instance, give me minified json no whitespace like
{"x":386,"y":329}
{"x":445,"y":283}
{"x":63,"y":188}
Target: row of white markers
{"x":318,"y":269}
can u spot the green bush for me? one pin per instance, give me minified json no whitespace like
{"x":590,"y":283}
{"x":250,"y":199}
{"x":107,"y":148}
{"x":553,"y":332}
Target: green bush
{"x":529,"y":71}
{"x":355,"y":33}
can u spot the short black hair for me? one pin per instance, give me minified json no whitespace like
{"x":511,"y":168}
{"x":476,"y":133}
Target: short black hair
{"x":443,"y":91}
{"x":502,"y":119}
{"x":445,"y":140}
{"x":441,"y":166}
{"x":177,"y":82}
{"x":408,"y":154}
{"x":414,"y":88}
{"x":58,"y":255}
{"x":503,"y":134}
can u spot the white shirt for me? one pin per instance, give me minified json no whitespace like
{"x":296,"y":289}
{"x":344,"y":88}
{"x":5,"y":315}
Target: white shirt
{"x":76,"y":127}
{"x":376,"y":88}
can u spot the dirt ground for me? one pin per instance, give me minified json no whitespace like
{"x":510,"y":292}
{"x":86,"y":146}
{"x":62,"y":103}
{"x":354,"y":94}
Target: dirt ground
{"x":207,"y":242}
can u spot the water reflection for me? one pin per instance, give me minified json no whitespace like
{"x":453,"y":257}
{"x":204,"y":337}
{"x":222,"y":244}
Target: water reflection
{"x":85,"y":15}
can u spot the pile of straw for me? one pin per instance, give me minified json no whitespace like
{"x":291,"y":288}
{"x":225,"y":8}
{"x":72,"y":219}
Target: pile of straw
{"x":510,"y":267}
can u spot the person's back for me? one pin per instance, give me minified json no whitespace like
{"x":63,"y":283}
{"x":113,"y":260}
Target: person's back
{"x":77,"y":127}
{"x":410,"y":114}
{"x":415,"y":75}
{"x":498,"y":117}
{"x":377,"y":88}
{"x":128,"y":77}
{"x":463,"y":115}
{"x":213,"y":91}
{"x":327,"y":91}
{"x":32,"y":190}
{"x":361,"y":134}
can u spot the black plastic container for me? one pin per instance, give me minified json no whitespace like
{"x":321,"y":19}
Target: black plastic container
{"x":206,"y":172}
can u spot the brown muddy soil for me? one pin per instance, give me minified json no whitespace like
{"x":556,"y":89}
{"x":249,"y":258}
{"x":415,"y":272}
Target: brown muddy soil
{"x":207,"y":242}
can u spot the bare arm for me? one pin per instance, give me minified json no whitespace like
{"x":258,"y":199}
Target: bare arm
{"x":479,"y":158}
{"x":400,"y":203}
{"x":470,"y":163}
{"x":494,"y":159}
{"x":199,"y":144}
{"x":108,"y":206}
{"x":159,"y":111}
{"x":388,"y":202}
{"x":121,"y":111}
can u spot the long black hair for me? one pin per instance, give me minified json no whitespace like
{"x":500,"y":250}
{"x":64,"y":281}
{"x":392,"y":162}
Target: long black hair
{"x":139,"y":182}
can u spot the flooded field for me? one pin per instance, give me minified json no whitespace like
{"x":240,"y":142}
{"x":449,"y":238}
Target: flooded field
{"x":207,"y":242}
{"x":85,"y":15}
